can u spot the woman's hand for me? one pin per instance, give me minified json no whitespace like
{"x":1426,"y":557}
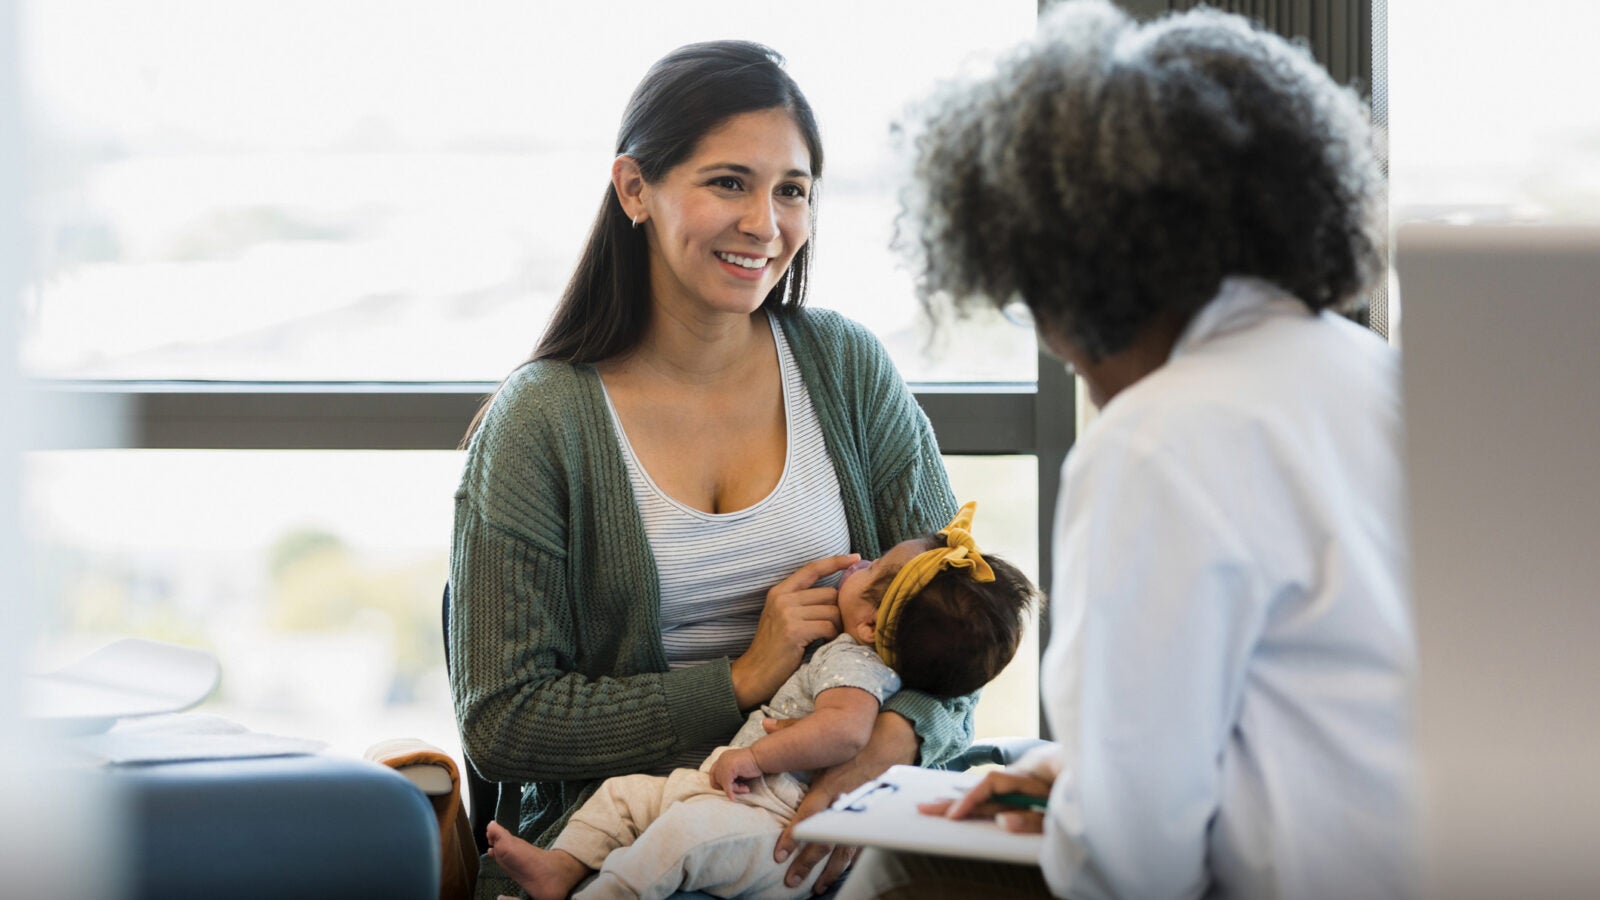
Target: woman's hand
{"x":894,"y":742}
{"x":797,"y":613}
{"x":979,"y":803}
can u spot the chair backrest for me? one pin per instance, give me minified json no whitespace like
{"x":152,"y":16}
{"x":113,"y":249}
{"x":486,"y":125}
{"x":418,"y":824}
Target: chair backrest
{"x":482,"y":794}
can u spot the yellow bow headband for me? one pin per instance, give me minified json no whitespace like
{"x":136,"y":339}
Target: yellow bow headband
{"x":959,"y":552}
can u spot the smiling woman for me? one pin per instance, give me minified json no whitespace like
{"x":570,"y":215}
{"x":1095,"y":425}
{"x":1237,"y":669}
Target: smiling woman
{"x":604,"y":310}
{"x":724,"y":226}
{"x":655,"y":508}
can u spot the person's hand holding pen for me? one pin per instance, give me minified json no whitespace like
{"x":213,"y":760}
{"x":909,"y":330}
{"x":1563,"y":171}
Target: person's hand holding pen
{"x":1015,"y":801}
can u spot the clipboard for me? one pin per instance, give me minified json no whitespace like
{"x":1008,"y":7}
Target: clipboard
{"x":883,"y":813}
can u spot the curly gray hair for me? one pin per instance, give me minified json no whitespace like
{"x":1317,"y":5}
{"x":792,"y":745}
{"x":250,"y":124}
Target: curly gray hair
{"x":1109,"y":173}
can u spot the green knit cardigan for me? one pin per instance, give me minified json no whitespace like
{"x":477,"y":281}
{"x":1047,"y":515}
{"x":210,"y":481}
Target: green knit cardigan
{"x":556,"y":660}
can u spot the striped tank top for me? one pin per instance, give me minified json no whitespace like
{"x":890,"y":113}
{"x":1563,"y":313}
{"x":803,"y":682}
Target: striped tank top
{"x":716,"y":568}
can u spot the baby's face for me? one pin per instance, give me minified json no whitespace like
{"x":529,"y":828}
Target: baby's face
{"x":863,"y":584}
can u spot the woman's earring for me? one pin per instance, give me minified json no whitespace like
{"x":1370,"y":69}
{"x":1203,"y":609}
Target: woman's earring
{"x":636,"y":221}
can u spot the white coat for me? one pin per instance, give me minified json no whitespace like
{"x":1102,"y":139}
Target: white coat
{"x":1231,"y":657}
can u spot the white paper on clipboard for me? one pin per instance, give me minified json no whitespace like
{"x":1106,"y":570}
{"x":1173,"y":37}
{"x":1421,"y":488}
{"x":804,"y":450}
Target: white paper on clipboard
{"x":883,"y":813}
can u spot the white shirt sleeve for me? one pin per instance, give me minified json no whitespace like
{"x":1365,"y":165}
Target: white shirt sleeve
{"x":1156,"y":597}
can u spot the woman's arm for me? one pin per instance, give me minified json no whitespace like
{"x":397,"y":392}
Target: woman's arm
{"x":555,"y":652}
{"x":530,"y":714}
{"x":521,"y":642}
{"x":893,"y":742}
{"x":943,"y":727}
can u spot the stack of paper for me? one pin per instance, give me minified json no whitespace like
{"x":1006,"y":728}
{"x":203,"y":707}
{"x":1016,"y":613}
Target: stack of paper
{"x":132,"y":677}
{"x":116,"y":706}
{"x":182,"y":738}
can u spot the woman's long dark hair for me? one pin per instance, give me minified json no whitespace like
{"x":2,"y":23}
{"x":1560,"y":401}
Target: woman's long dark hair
{"x":606,"y":306}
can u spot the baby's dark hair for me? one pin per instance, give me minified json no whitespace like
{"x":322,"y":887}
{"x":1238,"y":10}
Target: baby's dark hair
{"x":957,"y":634}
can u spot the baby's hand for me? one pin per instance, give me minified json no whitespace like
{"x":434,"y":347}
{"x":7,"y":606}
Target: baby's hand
{"x":733,"y":768}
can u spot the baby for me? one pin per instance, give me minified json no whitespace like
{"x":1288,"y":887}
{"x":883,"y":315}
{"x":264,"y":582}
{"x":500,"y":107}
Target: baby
{"x":933,"y":614}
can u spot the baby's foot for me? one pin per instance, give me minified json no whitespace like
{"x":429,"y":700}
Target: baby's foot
{"x":544,"y":874}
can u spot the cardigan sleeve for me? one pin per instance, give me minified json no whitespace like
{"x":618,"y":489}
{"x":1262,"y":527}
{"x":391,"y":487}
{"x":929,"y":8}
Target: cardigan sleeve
{"x":548,"y":684}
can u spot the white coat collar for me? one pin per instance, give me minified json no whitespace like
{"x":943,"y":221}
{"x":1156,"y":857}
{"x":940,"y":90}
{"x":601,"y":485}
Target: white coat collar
{"x":1241,"y":302}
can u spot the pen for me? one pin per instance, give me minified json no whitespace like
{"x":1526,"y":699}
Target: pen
{"x":1024,"y":801}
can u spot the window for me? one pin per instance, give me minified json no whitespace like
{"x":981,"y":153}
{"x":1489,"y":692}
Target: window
{"x":294,"y":243}
{"x":316,"y":576}
{"x":1491,"y":110}
{"x":332,"y":191}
